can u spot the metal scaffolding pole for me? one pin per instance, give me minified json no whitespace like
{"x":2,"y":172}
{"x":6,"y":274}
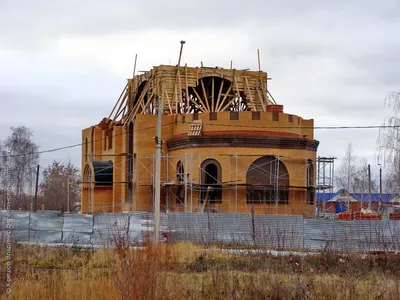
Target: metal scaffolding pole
{"x":158,"y":171}
{"x":236,"y":182}
{"x":277,"y":185}
{"x":185,"y":180}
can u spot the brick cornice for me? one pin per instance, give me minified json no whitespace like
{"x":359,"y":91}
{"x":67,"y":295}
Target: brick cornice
{"x":246,"y":140}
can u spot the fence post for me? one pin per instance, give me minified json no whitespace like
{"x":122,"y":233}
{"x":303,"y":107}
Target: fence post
{"x":304,"y":232}
{"x":91,"y":234}
{"x":253,"y":225}
{"x":29,"y":226}
{"x":128,"y":233}
{"x":62,"y":229}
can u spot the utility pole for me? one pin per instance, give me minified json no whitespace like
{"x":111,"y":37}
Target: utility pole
{"x":277,"y":184}
{"x":369,"y":187}
{"x":36,"y":189}
{"x":158,"y":171}
{"x":134,"y":67}
{"x":380,"y":187}
{"x":380,"y":183}
{"x":180,"y":53}
{"x":68,"y":194}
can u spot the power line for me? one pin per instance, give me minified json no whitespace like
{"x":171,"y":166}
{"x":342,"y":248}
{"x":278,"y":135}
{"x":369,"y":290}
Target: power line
{"x":307,"y":127}
{"x":76,"y":145}
{"x":211,"y":124}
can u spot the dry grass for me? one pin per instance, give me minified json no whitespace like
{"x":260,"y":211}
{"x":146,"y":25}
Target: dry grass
{"x":187,"y":271}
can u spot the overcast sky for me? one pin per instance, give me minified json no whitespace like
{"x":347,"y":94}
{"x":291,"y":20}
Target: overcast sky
{"x":63,"y":64}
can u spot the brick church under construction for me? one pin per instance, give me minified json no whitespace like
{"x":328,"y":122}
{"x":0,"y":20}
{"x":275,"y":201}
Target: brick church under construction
{"x":227,"y":147}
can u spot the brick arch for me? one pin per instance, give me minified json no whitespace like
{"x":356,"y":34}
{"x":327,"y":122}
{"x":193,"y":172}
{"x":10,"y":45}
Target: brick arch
{"x":211,"y":180}
{"x":267,"y":181}
{"x":212,"y":94}
{"x":180,"y":172}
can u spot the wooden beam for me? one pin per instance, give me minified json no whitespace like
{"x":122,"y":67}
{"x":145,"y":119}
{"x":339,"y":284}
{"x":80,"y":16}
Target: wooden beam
{"x":169,"y":102}
{"x":196,"y":105}
{"x":199,"y":98}
{"x":271,"y":97}
{"x":123,"y":101}
{"x":248,"y":90}
{"x":212,"y":94}
{"x":205,"y":94}
{"x":219,"y":95}
{"x":149,"y":100}
{"x":237,"y":88}
{"x":205,"y":201}
{"x":119,"y":99}
{"x":174,"y":100}
{"x":223,"y":100}
{"x":261,"y":99}
{"x":135,"y":109}
{"x":187,"y":91}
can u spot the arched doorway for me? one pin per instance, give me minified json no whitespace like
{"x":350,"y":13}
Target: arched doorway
{"x":180,"y":177}
{"x":211,"y":181}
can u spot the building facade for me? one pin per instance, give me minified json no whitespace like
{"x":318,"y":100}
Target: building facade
{"x":227,"y":147}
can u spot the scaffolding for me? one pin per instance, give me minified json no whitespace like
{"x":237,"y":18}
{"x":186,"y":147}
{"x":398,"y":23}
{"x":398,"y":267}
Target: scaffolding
{"x":270,"y":183}
{"x":325,"y":177}
{"x":184,"y":187}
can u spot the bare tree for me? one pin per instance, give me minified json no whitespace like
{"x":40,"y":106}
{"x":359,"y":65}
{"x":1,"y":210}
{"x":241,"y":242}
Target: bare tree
{"x":3,"y":174}
{"x":22,"y":160}
{"x":361,"y":180}
{"x":391,"y":179}
{"x":388,"y":150}
{"x":353,"y":174}
{"x":60,"y":185}
{"x":348,"y":168}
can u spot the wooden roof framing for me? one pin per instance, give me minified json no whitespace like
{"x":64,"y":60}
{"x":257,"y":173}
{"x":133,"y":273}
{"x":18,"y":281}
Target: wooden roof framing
{"x":186,"y":90}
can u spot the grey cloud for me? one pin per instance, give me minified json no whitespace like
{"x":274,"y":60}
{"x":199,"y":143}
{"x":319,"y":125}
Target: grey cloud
{"x":332,"y":61}
{"x":34,"y":22}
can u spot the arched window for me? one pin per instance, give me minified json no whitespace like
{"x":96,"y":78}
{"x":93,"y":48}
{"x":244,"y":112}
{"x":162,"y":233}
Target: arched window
{"x":103,"y":173}
{"x":180,"y":172}
{"x":310,"y":183}
{"x":211,"y":181}
{"x":180,"y":177}
{"x":87,"y":177}
{"x":87,"y":185}
{"x":267,"y":181}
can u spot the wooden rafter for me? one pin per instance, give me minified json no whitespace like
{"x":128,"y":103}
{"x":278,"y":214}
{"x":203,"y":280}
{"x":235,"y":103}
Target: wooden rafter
{"x":261,"y":99}
{"x":121,"y":101}
{"x":223,"y":100}
{"x":212,"y":94}
{"x":168,"y":100}
{"x":205,"y":94}
{"x":195,"y":104}
{"x":199,"y":98}
{"x":219,"y":95}
{"x":186,"y":90}
{"x":249,"y":92}
{"x":135,"y":109}
{"x":149,"y":101}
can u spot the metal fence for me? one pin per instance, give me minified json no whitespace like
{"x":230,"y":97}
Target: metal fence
{"x":272,"y":231}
